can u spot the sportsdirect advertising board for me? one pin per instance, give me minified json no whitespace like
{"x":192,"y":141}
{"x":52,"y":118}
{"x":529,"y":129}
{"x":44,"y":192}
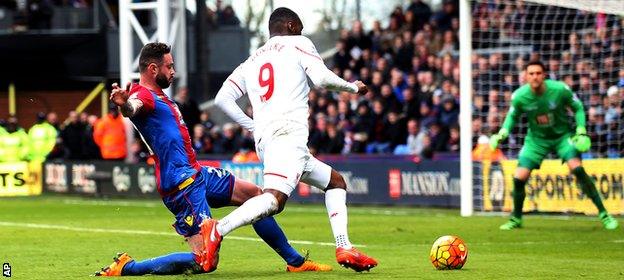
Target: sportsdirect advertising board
{"x":428,"y":183}
{"x":552,"y":188}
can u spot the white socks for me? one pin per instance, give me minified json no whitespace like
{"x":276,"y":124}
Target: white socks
{"x":336,"y":204}
{"x":250,"y":212}
{"x":266,"y":204}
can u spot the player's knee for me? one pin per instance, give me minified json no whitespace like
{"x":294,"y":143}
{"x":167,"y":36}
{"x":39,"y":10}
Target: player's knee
{"x":336,"y":181}
{"x":574,"y":164}
{"x":522,"y":174}
{"x":280,"y":208}
{"x":281,"y":202}
{"x":280,"y":198}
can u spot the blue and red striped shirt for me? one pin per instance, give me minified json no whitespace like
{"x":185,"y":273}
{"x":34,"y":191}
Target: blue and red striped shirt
{"x":163,"y":130}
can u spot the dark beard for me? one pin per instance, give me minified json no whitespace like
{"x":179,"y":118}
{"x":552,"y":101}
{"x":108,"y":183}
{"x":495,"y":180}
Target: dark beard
{"x":162,"y":81}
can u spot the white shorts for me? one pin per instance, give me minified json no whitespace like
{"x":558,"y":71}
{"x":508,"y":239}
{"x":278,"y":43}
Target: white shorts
{"x":287,"y":161}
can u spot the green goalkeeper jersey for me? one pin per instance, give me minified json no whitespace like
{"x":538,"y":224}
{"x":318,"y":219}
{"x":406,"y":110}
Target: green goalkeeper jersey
{"x":547,"y":113}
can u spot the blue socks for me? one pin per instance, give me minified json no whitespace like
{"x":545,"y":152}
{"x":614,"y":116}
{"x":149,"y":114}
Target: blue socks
{"x":273,"y":235}
{"x":176,"y":263}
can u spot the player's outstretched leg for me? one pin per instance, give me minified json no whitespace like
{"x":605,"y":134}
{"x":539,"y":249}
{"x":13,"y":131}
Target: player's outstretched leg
{"x":518,"y":197}
{"x":268,"y":229}
{"x":589,"y":188}
{"x":212,"y":232}
{"x":336,"y":204}
{"x":273,"y":235}
{"x":172,"y":264}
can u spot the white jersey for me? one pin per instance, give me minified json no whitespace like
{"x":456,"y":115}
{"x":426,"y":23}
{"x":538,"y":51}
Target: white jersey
{"x":275,"y":78}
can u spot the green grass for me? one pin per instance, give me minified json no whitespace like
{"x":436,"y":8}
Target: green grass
{"x":549,"y":247}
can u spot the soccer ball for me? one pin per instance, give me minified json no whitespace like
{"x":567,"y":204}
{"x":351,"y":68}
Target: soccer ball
{"x":448,"y":252}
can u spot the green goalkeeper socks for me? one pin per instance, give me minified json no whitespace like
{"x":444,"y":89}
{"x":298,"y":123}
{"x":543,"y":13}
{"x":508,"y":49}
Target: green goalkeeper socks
{"x":588,"y":187}
{"x":518,"y":197}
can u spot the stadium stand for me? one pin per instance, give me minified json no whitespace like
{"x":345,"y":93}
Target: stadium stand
{"x":412,"y":70}
{"x":580,"y":48}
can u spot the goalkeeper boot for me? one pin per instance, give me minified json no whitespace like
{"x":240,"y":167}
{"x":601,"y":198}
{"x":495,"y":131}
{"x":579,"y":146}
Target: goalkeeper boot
{"x":209,"y":258}
{"x":354,"y":259}
{"x":514,"y":222}
{"x":608,"y":221}
{"x":115,"y":268}
{"x":308,"y":265}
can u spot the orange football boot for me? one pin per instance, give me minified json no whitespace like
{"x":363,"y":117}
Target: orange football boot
{"x":354,"y":259}
{"x":115,"y":268}
{"x":209,"y":257}
{"x":308,"y":265}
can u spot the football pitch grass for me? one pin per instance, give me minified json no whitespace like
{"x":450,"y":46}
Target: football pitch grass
{"x":68,"y":237}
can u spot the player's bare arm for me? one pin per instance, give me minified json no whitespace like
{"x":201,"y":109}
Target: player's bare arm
{"x":120,"y":96}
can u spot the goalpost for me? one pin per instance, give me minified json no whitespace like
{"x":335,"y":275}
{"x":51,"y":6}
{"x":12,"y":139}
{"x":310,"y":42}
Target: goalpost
{"x":581,"y":43}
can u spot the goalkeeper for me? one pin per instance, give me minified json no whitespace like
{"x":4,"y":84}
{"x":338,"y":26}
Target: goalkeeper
{"x":546,"y":104}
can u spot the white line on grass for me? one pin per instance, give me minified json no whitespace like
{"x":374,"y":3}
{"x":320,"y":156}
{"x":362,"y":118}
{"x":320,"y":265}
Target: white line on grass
{"x":352,"y":210}
{"x":303,"y":242}
{"x":547,"y":242}
{"x":147,"y":232}
{"x":527,"y":243}
{"x":147,"y":204}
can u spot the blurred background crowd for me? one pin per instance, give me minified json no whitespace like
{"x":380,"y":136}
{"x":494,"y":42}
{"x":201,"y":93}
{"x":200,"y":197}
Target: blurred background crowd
{"x":582,"y":49}
{"x":410,"y":63}
{"x":411,"y":68}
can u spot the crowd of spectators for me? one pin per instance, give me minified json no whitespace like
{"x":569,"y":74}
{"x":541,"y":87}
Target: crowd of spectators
{"x":412,"y":104}
{"x":411,"y":108}
{"x":582,"y":49}
{"x":75,"y":138}
{"x":83,"y":136}
{"x":412,"y":71}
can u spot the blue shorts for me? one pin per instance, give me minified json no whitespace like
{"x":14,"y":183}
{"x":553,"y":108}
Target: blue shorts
{"x":212,"y":188}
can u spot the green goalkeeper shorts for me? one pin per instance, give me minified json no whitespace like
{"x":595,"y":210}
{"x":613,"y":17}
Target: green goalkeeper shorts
{"x":536,"y":149}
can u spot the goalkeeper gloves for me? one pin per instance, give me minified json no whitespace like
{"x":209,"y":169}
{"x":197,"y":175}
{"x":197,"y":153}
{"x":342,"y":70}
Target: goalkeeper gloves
{"x":496,"y":138}
{"x":581,"y":141}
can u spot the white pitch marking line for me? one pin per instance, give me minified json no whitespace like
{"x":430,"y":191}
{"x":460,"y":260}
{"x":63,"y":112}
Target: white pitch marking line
{"x":291,"y":209}
{"x":524,"y":243}
{"x":147,"y":232}
{"x":303,"y":242}
{"x":114,"y":203}
{"x":353,"y":210}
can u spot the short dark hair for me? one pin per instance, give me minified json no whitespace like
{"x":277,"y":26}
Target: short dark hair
{"x":279,"y":16}
{"x":152,"y":53}
{"x":535,"y":62}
